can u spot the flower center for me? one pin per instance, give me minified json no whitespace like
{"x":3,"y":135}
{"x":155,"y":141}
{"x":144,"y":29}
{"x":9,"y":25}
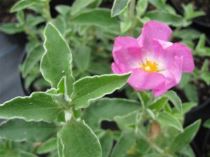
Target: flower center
{"x":149,"y":66}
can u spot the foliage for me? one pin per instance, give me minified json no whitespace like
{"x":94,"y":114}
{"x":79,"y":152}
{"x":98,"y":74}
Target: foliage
{"x":74,"y":51}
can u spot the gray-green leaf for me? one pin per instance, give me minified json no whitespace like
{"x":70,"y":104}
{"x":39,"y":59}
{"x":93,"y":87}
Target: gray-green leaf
{"x":20,"y":130}
{"x":76,"y":139}
{"x":94,"y":87}
{"x":185,"y":137}
{"x":108,"y":109}
{"x":57,"y":60}
{"x":119,"y":6}
{"x":79,"y":5}
{"x":37,"y":107}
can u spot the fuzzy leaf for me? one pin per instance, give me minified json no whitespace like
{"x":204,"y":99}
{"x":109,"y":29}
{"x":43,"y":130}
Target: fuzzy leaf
{"x":108,"y":109}
{"x":57,"y":60}
{"x":97,"y":17}
{"x":79,"y":5}
{"x":20,"y":130}
{"x":23,"y":4}
{"x":185,"y":137}
{"x":119,"y":6}
{"x":95,"y":87}
{"x":76,"y":139}
{"x":37,"y":107}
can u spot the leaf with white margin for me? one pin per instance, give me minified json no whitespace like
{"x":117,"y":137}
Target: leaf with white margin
{"x":20,"y":130}
{"x":57,"y":60}
{"x":39,"y":106}
{"x":76,"y":139}
{"x":94,"y":87}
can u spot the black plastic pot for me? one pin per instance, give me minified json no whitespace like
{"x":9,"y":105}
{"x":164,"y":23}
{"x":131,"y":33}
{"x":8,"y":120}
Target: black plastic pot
{"x":10,"y":58}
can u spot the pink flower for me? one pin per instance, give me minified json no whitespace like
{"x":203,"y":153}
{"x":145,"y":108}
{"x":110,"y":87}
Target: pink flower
{"x":154,"y":63}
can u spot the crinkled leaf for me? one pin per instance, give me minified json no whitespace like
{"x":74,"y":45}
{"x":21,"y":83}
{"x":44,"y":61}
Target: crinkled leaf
{"x":57,"y":60}
{"x":78,"y":140}
{"x":95,"y":87}
{"x":37,"y":107}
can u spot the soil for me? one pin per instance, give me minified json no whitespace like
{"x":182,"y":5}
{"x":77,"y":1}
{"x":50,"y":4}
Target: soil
{"x":203,"y":5}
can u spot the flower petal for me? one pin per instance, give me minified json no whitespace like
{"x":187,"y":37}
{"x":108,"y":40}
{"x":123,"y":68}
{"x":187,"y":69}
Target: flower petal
{"x":172,"y":74}
{"x":141,"y":80}
{"x":126,"y":53}
{"x":154,"y":30}
{"x":183,"y":51}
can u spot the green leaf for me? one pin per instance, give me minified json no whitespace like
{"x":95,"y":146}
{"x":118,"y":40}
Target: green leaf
{"x":57,"y":60}
{"x":79,"y":5}
{"x":187,"y":34}
{"x":191,"y":92}
{"x":20,"y":130}
{"x":169,"y":120}
{"x":207,"y":124}
{"x":31,"y":60}
{"x":119,"y":6}
{"x":78,"y":140}
{"x":190,"y":12}
{"x":82,"y":57}
{"x":98,"y":17}
{"x":201,"y":48}
{"x":37,"y":107}
{"x":185,"y":137}
{"x":159,"y":104}
{"x":205,"y":72}
{"x":11,"y":28}
{"x":188,"y":106}
{"x":171,"y":19}
{"x":123,"y":146}
{"x":23,"y":4}
{"x":26,"y":154}
{"x":174,"y":98}
{"x":106,"y":144}
{"x":108,"y":109}
{"x":141,"y":7}
{"x":63,"y":9}
{"x":95,"y":87}
{"x":48,"y":146}
{"x":126,"y":122}
{"x":144,"y":98}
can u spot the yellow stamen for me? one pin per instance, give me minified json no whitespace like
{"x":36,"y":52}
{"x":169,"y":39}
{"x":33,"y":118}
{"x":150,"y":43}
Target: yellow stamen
{"x":149,"y":66}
